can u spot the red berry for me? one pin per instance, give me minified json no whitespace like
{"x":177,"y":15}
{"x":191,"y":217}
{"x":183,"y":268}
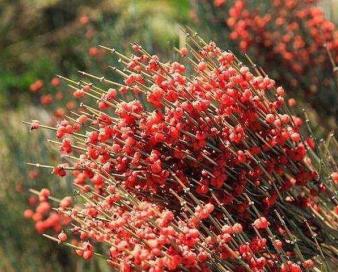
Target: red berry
{"x":55,"y":82}
{"x":184,"y":52}
{"x":62,"y":237}
{"x":334,"y":177}
{"x":261,"y":223}
{"x":84,"y":20}
{"x":292,"y":102}
{"x":28,"y":213}
{"x":35,"y":124}
{"x":79,"y":93}
{"x":66,"y":202}
{"x":295,"y":137}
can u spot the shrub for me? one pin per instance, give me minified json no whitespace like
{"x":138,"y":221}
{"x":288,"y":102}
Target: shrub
{"x":289,"y":39}
{"x":196,"y":167}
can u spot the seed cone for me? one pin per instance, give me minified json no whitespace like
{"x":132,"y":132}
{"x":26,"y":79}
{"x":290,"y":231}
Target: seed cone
{"x":195,"y":167}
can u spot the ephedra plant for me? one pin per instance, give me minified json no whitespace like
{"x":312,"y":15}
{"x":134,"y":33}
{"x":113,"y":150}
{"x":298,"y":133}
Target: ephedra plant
{"x":288,"y":38}
{"x":193,"y":167}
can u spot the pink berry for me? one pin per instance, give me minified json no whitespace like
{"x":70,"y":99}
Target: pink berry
{"x":261,"y":223}
{"x":62,"y":237}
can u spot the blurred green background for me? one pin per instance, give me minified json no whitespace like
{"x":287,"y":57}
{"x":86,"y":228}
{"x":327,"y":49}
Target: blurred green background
{"x":41,"y":38}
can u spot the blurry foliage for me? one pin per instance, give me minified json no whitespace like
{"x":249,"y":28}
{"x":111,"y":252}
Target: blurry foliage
{"x":330,"y":8}
{"x":42,"y":38}
{"x":21,"y":249}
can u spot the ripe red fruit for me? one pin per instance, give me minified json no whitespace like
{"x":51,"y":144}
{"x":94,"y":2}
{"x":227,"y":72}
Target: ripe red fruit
{"x":93,"y":52}
{"x":237,"y":228}
{"x":295,"y":137}
{"x":55,"y":82}
{"x":290,"y":267}
{"x":87,"y":88}
{"x":82,"y":119}
{"x":66,"y":202}
{"x":62,"y":237}
{"x":28,"y":213}
{"x":156,"y":167}
{"x":44,"y":194}
{"x":66,"y":146}
{"x":111,"y":94}
{"x":202,"y":66}
{"x":278,"y":244}
{"x":270,"y":118}
{"x":35,"y":124}
{"x":209,"y":208}
{"x":184,"y":52}
{"x":37,"y":217}
{"x":292,"y":102}
{"x":219,"y":3}
{"x":46,"y":99}
{"x":36,"y":86}
{"x":334,"y":177}
{"x":88,"y":251}
{"x":261,"y":223}
{"x":59,"y":171}
{"x":84,"y":20}
{"x":43,"y":208}
{"x":308,"y":264}
{"x":79,"y":93}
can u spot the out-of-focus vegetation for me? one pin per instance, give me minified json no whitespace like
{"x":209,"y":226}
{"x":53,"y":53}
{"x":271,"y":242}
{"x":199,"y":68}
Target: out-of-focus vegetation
{"x":41,"y":38}
{"x":21,"y":249}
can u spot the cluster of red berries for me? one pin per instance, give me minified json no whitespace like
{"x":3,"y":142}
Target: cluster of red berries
{"x":42,"y":213}
{"x":295,"y":30}
{"x":288,"y":38}
{"x":53,"y":98}
{"x":55,"y":93}
{"x":200,"y":177}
